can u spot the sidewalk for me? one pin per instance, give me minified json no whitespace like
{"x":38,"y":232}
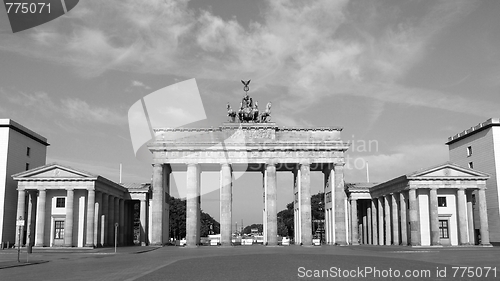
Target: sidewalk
{"x":8,"y":257}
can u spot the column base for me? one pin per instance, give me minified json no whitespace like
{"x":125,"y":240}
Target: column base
{"x":340,"y":243}
{"x":89,"y":246}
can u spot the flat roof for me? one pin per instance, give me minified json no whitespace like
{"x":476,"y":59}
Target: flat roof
{"x":23,"y":130}
{"x":472,"y":130}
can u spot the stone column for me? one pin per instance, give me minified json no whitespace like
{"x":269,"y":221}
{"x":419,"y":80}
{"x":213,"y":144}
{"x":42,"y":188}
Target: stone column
{"x":21,"y":201}
{"x":470,"y":217}
{"x":167,"y":170}
{"x":374,"y":222}
{"x":414,"y":222}
{"x":89,"y":240}
{"x":271,"y":207}
{"x":380,"y":220}
{"x":340,"y":227}
{"x":111,"y":221}
{"x":305,"y":204}
{"x":68,"y":224}
{"x":395,"y":219}
{"x":462,"y":217}
{"x":434,"y":216}
{"x":354,"y":222}
{"x":369,"y":222}
{"x":387,"y":209}
{"x":328,"y":189}
{"x":29,"y":219}
{"x":158,"y":202}
{"x":483,"y":217}
{"x":97,"y":216}
{"x":121,"y":228}
{"x":364,"y":223}
{"x":404,"y":221}
{"x":226,"y":205}
{"x":296,"y":206}
{"x":143,"y":221}
{"x":192,"y":205}
{"x":104,"y":220}
{"x":40,"y":218}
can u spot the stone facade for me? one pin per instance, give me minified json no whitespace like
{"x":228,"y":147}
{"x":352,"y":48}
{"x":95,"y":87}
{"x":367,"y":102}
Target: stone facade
{"x":427,"y":208}
{"x":479,"y":147}
{"x":250,"y":147}
{"x":67,"y":207}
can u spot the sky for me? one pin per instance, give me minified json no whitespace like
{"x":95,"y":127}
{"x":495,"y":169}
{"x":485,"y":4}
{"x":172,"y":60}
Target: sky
{"x":400,"y":77}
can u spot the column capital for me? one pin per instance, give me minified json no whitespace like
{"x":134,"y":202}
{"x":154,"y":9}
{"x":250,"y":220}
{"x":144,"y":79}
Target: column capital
{"x":305,"y":162}
{"x":434,"y":187}
{"x":157,"y":165}
{"x":339,"y":164}
{"x":41,"y":188}
{"x":70,"y":188}
{"x":272,"y":162}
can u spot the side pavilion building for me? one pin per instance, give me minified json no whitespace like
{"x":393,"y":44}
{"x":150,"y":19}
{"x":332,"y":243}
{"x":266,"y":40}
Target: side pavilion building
{"x":431,"y":207}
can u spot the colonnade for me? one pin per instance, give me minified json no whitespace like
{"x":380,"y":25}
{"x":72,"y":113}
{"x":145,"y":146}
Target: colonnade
{"x":101,"y":212}
{"x":334,"y":182}
{"x":394,"y":219}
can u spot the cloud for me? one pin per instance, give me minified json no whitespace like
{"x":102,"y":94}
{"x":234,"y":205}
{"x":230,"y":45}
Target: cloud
{"x":386,"y":166}
{"x":69,"y":108}
{"x":310,"y":49}
{"x":139,"y":84}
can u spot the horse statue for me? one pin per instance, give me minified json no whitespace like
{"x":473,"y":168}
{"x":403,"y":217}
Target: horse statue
{"x":231,"y":113}
{"x":255,"y":112}
{"x":266,"y":115}
{"x":245,"y":114}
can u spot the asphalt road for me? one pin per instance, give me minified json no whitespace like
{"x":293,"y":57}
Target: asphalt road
{"x":262,"y":263}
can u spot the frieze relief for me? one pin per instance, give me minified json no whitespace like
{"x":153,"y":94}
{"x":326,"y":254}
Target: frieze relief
{"x":242,"y":135}
{"x":244,"y":154}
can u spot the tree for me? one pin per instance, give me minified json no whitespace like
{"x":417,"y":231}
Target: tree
{"x":178,"y":220}
{"x":248,"y":228}
{"x":286,"y":216}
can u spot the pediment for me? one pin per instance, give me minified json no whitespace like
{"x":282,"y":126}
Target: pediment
{"x":54,"y":171}
{"x":448,"y":170}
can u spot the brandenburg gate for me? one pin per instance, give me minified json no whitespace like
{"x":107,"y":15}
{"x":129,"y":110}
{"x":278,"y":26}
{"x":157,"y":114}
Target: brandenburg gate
{"x":250,"y":142}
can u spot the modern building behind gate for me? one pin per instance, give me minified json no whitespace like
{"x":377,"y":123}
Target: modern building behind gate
{"x":479,"y":148}
{"x":20,"y":149}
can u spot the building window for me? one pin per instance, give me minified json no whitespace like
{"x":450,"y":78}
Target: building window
{"x":443,"y":229}
{"x":58,"y":229}
{"x":27,"y":166}
{"x":28,"y":150}
{"x":471,"y":165}
{"x":469,"y":151}
{"x":441,"y":201}
{"x":60,"y":202}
